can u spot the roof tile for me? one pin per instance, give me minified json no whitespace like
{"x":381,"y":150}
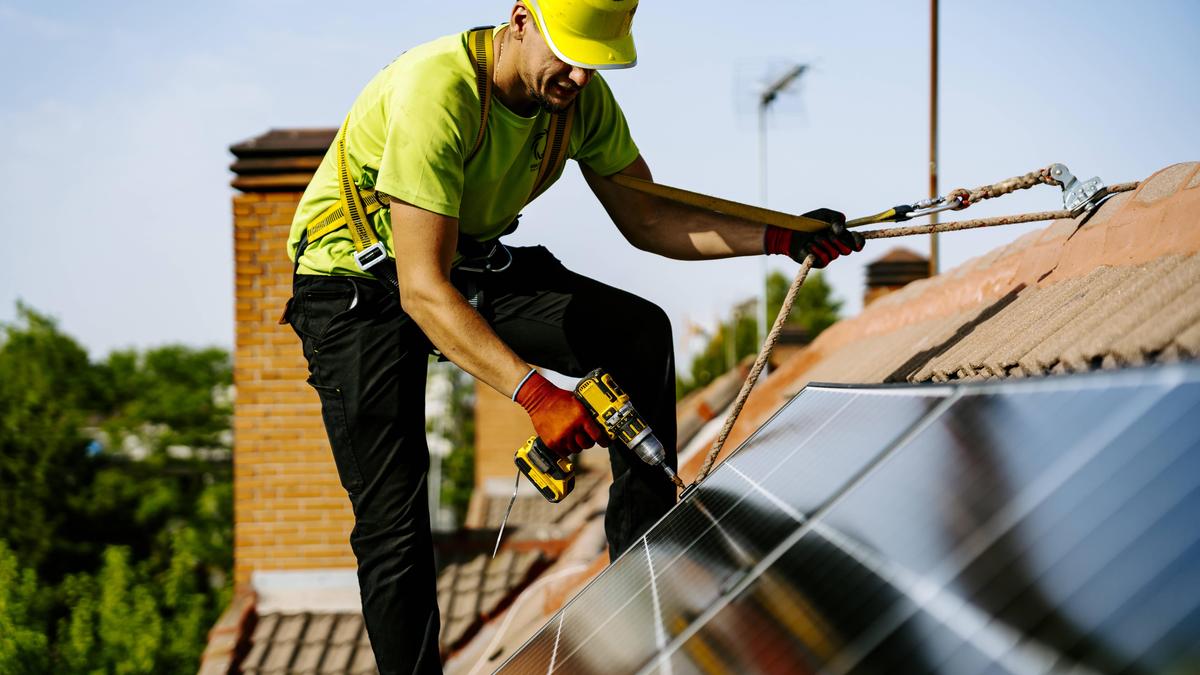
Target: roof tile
{"x":1194,"y":182}
{"x":291,"y":627}
{"x":1167,"y":284}
{"x":1165,"y":182}
{"x":1052,"y":316}
{"x":349,"y":628}
{"x":1113,"y":208}
{"x":1189,"y":341}
{"x":337,"y":658}
{"x":256,"y":656}
{"x":364,"y":663}
{"x":320,"y":627}
{"x":265,"y":628}
{"x":308,"y":658}
{"x":1080,"y":256}
{"x":1056,"y":348}
{"x":279,"y":657}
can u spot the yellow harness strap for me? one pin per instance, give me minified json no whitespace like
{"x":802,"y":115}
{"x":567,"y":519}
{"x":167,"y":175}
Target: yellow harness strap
{"x":355,"y":206}
{"x":481,"y":58}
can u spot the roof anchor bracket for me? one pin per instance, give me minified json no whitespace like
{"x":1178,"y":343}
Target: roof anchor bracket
{"x":1078,"y":196}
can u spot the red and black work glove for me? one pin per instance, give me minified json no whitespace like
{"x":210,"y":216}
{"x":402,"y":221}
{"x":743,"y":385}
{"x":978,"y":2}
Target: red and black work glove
{"x":558,"y":417}
{"x":824,"y":246}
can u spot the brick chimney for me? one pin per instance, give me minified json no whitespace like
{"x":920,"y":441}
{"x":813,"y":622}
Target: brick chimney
{"x":895,"y":270}
{"x":290,"y":512}
{"x":501,"y":426}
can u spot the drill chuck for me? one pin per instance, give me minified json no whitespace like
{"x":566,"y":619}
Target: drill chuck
{"x":648,"y":448}
{"x":650,"y":451}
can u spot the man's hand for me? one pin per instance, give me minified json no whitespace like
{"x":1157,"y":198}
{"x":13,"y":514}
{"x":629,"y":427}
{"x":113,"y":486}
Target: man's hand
{"x":558,"y":418}
{"x":825,"y":246}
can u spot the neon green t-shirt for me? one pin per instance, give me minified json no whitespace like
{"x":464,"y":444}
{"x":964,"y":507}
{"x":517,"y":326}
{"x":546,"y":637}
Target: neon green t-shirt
{"x":409,"y":134}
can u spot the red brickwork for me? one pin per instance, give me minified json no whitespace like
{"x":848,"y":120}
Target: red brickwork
{"x":290,"y":511}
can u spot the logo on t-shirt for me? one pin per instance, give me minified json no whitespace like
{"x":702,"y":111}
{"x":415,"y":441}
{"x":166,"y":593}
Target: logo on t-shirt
{"x":539,"y":147}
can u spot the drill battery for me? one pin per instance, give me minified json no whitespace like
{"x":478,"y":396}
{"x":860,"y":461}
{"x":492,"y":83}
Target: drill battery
{"x":552,"y":475}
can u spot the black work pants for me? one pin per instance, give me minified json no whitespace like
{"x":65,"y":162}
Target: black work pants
{"x":367,"y":360}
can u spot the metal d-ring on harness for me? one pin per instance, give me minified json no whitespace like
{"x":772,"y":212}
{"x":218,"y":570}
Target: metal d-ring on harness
{"x":355,"y":205}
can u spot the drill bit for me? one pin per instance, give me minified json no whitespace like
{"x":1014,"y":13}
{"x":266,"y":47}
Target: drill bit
{"x":504,"y":521}
{"x":673,"y":476}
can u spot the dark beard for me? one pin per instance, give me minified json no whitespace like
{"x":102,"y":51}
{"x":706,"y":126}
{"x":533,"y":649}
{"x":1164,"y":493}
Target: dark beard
{"x":546,"y":105}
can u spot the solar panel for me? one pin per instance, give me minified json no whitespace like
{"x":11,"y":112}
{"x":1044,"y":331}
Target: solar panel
{"x":1013,"y":527}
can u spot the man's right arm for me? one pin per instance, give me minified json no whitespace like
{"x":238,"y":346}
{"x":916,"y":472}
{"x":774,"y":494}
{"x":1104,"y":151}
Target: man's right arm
{"x":425,"y":243}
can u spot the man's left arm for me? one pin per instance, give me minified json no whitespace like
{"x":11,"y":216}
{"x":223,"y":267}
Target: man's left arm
{"x":682,"y":232}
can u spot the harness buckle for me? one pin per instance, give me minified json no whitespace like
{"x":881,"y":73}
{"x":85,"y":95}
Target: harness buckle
{"x":370,"y":256}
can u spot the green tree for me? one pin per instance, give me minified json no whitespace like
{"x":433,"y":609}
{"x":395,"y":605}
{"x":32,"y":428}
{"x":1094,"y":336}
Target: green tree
{"x":46,"y":385}
{"x":24,"y":647}
{"x":170,"y":390}
{"x":128,"y":558}
{"x":457,"y":425}
{"x":814,"y":310}
{"x":114,"y":623}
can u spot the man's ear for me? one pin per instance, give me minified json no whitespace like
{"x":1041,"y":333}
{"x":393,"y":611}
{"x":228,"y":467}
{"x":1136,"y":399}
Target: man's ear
{"x":518,"y":20}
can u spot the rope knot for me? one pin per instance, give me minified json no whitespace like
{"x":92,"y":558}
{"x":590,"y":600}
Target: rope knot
{"x":962,"y":196}
{"x":1048,"y":178}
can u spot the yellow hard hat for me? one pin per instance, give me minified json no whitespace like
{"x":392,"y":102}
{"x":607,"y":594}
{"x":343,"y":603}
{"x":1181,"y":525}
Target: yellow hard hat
{"x":594,"y":34}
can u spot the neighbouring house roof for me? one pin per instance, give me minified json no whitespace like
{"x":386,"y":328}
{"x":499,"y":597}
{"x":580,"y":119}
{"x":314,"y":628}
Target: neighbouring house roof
{"x":900,"y":254}
{"x":897,"y":267}
{"x":310,"y":643}
{"x":534,"y":519}
{"x":700,"y":407}
{"x":470,"y":592}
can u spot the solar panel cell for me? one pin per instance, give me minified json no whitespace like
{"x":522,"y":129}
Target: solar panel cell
{"x":815,"y":446}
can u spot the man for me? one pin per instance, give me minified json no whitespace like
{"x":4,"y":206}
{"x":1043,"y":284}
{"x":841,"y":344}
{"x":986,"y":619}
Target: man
{"x":415,"y":138}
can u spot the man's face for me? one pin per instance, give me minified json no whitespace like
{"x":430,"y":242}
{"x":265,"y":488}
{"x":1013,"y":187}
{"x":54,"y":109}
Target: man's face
{"x":548,"y":81}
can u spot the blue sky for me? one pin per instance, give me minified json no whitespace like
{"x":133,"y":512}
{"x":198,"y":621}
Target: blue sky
{"x":117,"y":118}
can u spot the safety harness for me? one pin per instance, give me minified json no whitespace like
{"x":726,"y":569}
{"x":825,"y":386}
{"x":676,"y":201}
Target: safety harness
{"x":355,"y":206}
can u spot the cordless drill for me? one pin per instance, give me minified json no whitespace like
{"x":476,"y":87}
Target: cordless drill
{"x":609,"y":405}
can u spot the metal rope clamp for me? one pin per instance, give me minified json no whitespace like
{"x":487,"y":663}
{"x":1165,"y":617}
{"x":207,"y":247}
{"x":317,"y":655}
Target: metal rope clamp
{"x":1078,"y":196}
{"x":933,"y":205}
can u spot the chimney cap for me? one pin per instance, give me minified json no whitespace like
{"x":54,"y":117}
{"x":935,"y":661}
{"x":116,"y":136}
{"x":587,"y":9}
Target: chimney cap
{"x":281,"y":160}
{"x":897,"y":267}
{"x":900,"y":254}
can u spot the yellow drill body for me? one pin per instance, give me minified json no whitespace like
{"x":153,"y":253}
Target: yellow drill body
{"x":609,"y":405}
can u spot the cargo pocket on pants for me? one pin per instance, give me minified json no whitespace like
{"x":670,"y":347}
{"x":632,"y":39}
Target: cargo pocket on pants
{"x":333,"y":411}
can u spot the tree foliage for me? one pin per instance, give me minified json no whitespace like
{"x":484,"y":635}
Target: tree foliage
{"x":23,"y":645}
{"x":814,"y":310}
{"x":457,"y":425}
{"x":110,"y":562}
